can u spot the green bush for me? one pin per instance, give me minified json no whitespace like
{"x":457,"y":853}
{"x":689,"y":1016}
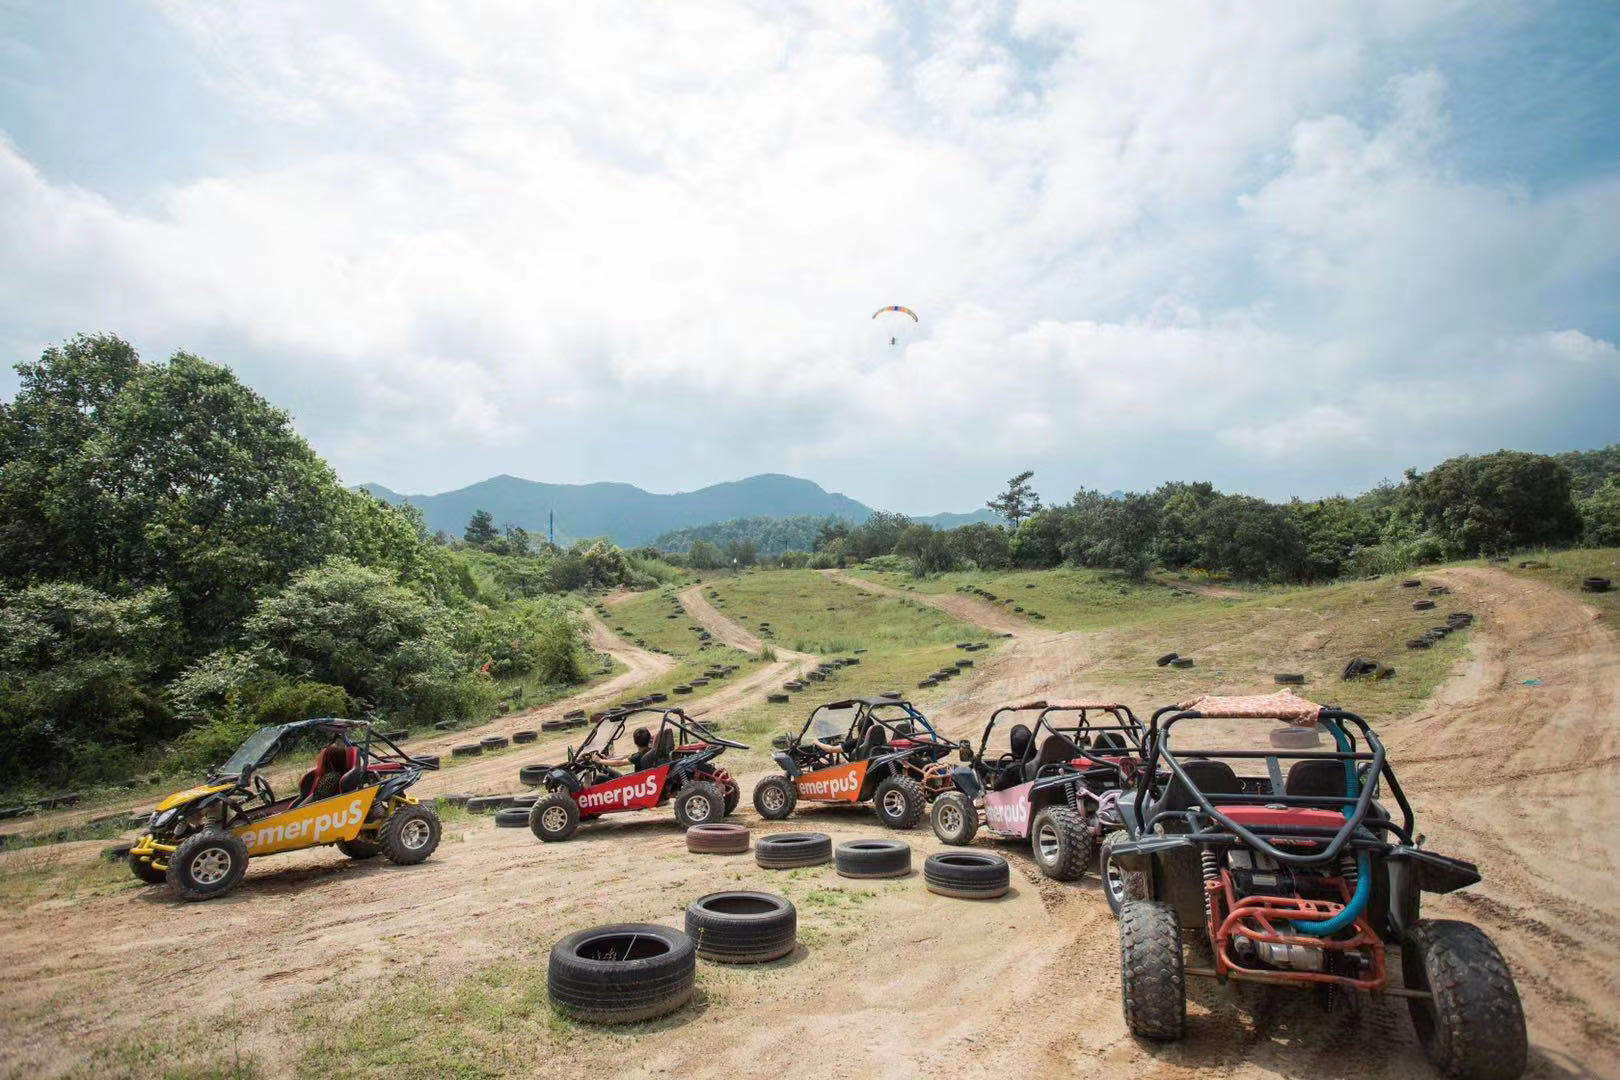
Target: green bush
{"x":289,"y":703}
{"x":208,"y":744}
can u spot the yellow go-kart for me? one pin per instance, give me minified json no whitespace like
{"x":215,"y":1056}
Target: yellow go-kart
{"x":199,"y":840}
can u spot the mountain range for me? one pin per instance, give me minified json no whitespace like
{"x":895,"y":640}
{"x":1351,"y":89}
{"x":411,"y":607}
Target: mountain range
{"x":632,"y":517}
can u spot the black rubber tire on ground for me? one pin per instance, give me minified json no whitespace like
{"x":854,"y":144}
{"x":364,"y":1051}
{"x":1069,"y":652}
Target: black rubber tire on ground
{"x":775,"y":797}
{"x":786,"y":851}
{"x":1167,"y":658}
{"x":742,"y":927}
{"x":1153,"y":982}
{"x":513,"y":817}
{"x":1595,"y":584}
{"x":1419,"y":643}
{"x":622,"y":973}
{"x":1422,"y":605}
{"x":525,"y":736}
{"x":701,"y":803}
{"x":954,"y":817}
{"x":533,"y":775}
{"x":1119,"y":886}
{"x":479,"y":804}
{"x":900,"y":802}
{"x":1472,"y":1028}
{"x":468,"y":750}
{"x":145,"y":871}
{"x":359,"y":848}
{"x":720,"y":838}
{"x":207,"y":864}
{"x":1182,"y":662}
{"x":410,"y":834}
{"x":554,"y":817}
{"x":1060,"y":843}
{"x":495,"y":742}
{"x":967,"y":875}
{"x":1289,"y":679}
{"x":872,"y":858}
{"x":1411,"y":583}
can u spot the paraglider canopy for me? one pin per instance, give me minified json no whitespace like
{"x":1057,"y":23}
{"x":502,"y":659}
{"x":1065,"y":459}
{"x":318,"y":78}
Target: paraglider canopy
{"x":896,"y":307}
{"x":892,"y":314}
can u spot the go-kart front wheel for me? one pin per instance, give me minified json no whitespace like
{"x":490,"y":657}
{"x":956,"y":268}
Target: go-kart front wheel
{"x":701,"y":803}
{"x":774,"y":798}
{"x":207,"y":864}
{"x":410,"y":835}
{"x":554,"y":817}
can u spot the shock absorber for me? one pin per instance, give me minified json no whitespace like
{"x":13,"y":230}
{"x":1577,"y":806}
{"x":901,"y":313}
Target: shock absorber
{"x":1349,"y":870}
{"x":1210,"y":865}
{"x":1075,"y":801}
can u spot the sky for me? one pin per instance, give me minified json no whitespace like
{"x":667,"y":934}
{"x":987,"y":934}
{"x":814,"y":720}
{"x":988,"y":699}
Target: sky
{"x":1289,"y":248}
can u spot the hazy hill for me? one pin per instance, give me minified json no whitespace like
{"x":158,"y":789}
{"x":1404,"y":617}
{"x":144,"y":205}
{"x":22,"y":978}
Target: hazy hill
{"x":631,"y":516}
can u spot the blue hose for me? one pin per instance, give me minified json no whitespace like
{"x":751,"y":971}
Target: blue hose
{"x":1358,"y":900}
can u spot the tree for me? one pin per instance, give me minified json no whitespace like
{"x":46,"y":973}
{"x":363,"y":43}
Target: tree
{"x":875,"y":536}
{"x":1112,"y":534}
{"x":704,"y":556}
{"x":741,"y":553}
{"x":927,"y":547}
{"x":1600,"y":515}
{"x":1495,"y":502}
{"x":985,"y":545}
{"x":481,"y":531}
{"x":1019,"y":501}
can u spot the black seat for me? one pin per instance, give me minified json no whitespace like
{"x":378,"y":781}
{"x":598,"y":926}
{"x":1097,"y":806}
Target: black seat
{"x":663,"y":750}
{"x":1210,"y":777}
{"x":1110,"y":740}
{"x":1315,"y":777}
{"x":1056,"y":748}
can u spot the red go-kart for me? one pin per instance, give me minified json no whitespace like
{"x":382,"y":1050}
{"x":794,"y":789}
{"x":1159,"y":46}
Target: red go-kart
{"x":677,"y":766}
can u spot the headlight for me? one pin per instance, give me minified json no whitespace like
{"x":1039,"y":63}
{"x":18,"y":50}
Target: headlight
{"x":162,"y":818}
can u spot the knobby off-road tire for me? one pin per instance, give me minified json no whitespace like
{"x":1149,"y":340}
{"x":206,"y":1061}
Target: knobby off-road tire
{"x":967,"y":875}
{"x":900,"y":802}
{"x":554,"y":817}
{"x":775,"y":797}
{"x":785,"y":851}
{"x":1153,"y":983}
{"x":1060,"y":843}
{"x":207,"y":864}
{"x":1472,"y":1028}
{"x":1120,"y":886}
{"x":742,"y":927}
{"x":146,"y":872}
{"x":872,"y":858}
{"x":955,"y":818}
{"x":721,"y":838}
{"x":410,"y":835}
{"x":733,"y":796}
{"x":622,"y":973}
{"x":701,"y":803}
{"x":359,"y":848}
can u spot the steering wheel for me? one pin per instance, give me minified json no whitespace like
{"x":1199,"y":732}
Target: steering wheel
{"x":261,"y":788}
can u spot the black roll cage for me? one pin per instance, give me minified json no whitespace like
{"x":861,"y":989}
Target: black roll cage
{"x":1127,"y":725}
{"x":690,"y":730}
{"x":1205,"y":817}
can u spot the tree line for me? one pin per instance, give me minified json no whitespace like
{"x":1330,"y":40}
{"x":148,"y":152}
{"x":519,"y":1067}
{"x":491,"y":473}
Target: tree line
{"x":177,"y":565}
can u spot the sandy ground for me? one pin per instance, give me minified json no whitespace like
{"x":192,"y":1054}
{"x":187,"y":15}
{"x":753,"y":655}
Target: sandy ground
{"x":893,"y":980}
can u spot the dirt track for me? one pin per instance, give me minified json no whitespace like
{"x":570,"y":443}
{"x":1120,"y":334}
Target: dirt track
{"x":895,"y":981}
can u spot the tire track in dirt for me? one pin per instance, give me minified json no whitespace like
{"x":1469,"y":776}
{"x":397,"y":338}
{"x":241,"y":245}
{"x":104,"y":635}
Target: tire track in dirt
{"x":787,"y":665}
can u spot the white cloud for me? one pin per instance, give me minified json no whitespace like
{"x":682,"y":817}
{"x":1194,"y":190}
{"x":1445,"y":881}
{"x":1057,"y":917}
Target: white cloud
{"x":1146,"y":245}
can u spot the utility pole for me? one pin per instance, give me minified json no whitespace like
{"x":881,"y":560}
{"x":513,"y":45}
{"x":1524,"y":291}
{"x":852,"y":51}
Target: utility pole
{"x":551,"y":527}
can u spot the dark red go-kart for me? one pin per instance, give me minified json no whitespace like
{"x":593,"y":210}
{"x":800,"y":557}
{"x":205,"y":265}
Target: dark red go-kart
{"x":678,"y":766}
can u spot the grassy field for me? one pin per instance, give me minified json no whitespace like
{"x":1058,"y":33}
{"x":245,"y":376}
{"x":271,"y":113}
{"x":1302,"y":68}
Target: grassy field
{"x":644,"y":619}
{"x":1565,"y":569}
{"x":1068,"y":599}
{"x":898,"y":641}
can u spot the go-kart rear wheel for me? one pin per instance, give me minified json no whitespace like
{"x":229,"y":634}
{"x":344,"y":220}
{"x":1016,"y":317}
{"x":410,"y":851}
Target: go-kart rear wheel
{"x":900,"y":802}
{"x":775,"y":797}
{"x":1472,"y":1024}
{"x":143,"y":869}
{"x":701,"y":803}
{"x":554,"y":817}
{"x":733,"y":797}
{"x":409,"y":835}
{"x":207,"y":864}
{"x":1060,"y":843}
{"x":955,"y":818}
{"x":359,"y":848}
{"x":1153,"y":983}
